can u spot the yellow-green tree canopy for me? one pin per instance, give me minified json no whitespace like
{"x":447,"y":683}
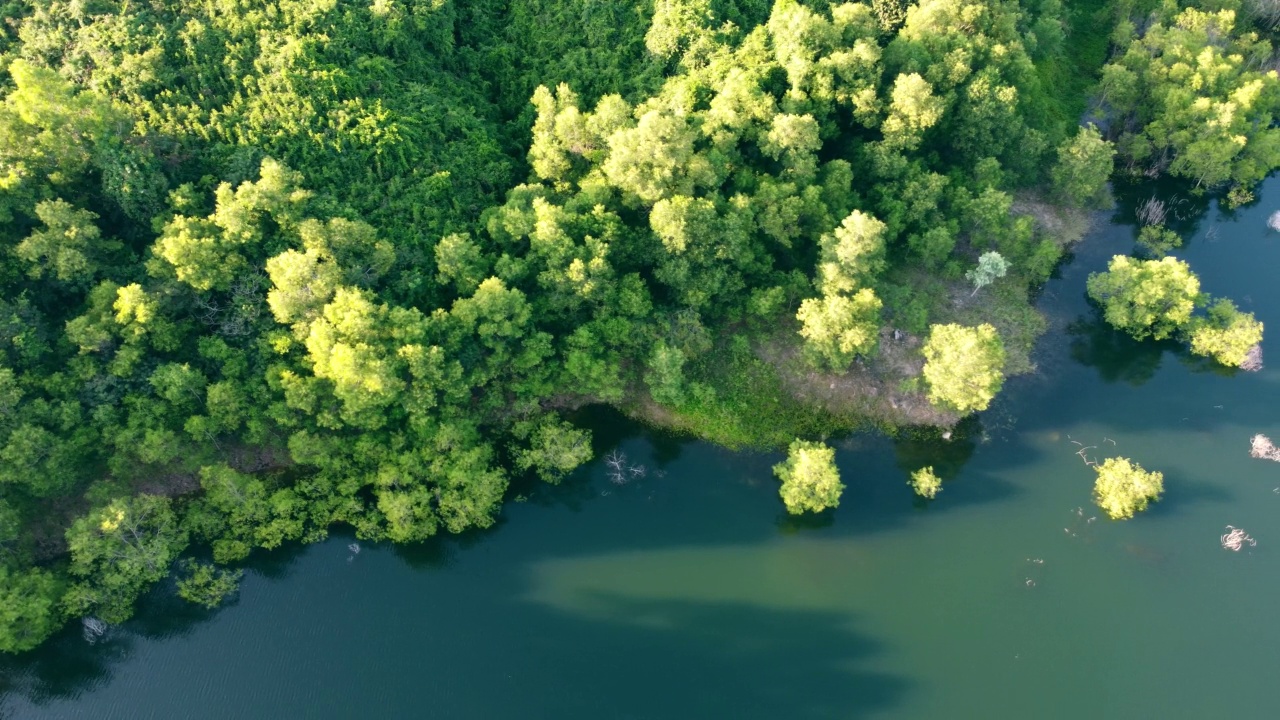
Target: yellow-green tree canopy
{"x":1124,"y":488}
{"x":1201,"y":101}
{"x":1226,"y":335}
{"x":925,"y":482}
{"x":838,"y":328}
{"x":964,"y":366}
{"x":1146,"y":298}
{"x":810,"y":480}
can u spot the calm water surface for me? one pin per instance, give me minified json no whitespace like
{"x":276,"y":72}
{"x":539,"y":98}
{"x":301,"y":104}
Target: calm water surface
{"x":689,"y":593}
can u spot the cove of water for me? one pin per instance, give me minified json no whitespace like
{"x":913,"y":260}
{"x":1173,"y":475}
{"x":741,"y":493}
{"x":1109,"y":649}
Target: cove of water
{"x":689,"y":593}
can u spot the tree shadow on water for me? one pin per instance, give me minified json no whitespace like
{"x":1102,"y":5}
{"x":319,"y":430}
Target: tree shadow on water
{"x":679,"y":658}
{"x":65,"y":666}
{"x":1115,"y":354}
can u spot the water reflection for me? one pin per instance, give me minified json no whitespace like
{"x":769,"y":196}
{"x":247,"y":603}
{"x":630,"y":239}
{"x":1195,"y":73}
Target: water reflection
{"x":1115,"y":354}
{"x":1170,"y":201}
{"x":915,"y":448}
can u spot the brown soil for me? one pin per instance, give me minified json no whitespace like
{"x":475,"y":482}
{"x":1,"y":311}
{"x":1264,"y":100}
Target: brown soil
{"x":870,"y":390}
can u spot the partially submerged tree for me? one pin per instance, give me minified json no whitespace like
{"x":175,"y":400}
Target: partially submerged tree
{"x":810,"y":480}
{"x":1146,"y":298}
{"x":1158,"y":240}
{"x":1197,"y":98}
{"x":118,"y":551}
{"x":1226,"y":335}
{"x":205,"y":584}
{"x":925,"y":483}
{"x":964,"y":366}
{"x":1124,"y":488}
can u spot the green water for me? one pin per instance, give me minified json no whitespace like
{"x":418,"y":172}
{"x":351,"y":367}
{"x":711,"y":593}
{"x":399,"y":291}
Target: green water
{"x":689,"y":593}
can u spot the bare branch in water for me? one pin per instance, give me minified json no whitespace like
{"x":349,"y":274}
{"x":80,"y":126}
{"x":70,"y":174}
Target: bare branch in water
{"x":1236,"y":539}
{"x":1253,"y":359}
{"x":1262,"y":448}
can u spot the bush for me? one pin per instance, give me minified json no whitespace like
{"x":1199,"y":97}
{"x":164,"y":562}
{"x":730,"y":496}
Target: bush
{"x":925,"y":483}
{"x":207,"y":585}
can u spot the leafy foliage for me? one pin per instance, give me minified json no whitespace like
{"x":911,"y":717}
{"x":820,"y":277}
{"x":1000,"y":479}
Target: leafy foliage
{"x":964,"y":366}
{"x":925,"y":483}
{"x":1226,"y":335}
{"x":991,"y":267}
{"x":1124,"y":488}
{"x":207,"y":585}
{"x":1195,"y":97}
{"x":274,"y":267}
{"x":1146,"y":298}
{"x":810,"y":480}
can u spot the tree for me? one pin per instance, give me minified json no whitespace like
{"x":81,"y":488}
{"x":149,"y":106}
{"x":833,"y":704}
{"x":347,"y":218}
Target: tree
{"x":554,"y":448}
{"x":1146,"y":298}
{"x":914,"y":110}
{"x":853,"y":255}
{"x":1226,"y":335}
{"x":665,"y":375}
{"x":205,"y":584}
{"x":964,"y":366}
{"x":461,"y":262}
{"x":810,"y":480}
{"x":925,"y":483}
{"x":1124,"y":488}
{"x":117,"y":551}
{"x":837,"y":328}
{"x":1196,"y":98}
{"x":1084,"y":166}
{"x":29,"y":610}
{"x":1158,"y":240}
{"x":68,"y":248}
{"x":991,"y":266}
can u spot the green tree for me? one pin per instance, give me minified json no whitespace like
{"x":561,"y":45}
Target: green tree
{"x":1226,"y":335}
{"x":1196,"y":98}
{"x":206,"y":585}
{"x":552,"y":448}
{"x":964,"y":366}
{"x":29,"y":610}
{"x":1146,"y":298}
{"x":461,"y":262}
{"x":1124,"y":488}
{"x":925,"y":483}
{"x":68,"y":248}
{"x":991,"y":267}
{"x":913,"y":111}
{"x":810,"y":480}
{"x":1084,"y":166}
{"x":1158,"y":240}
{"x":838,"y":328}
{"x":853,"y":255}
{"x":665,"y":375}
{"x":118,"y":551}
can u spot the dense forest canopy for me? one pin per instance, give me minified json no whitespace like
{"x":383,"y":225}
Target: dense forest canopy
{"x":274,"y":266}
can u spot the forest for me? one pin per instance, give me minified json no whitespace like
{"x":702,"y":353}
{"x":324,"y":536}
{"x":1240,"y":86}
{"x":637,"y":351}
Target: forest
{"x":270,"y":268}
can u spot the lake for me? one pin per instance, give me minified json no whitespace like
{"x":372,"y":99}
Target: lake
{"x":688,"y":592}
